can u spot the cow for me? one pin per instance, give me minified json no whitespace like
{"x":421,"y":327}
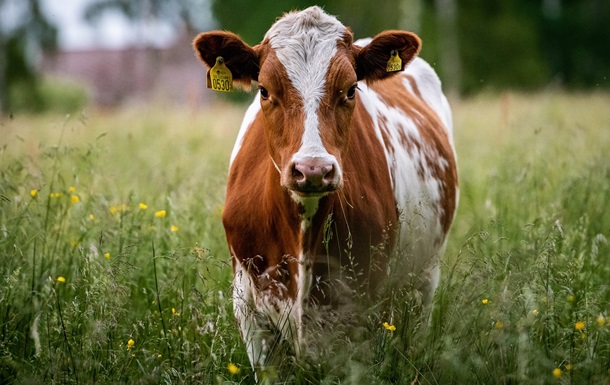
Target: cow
{"x":345,"y":156}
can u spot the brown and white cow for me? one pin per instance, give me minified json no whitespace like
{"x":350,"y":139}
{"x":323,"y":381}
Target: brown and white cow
{"x":335,"y":143}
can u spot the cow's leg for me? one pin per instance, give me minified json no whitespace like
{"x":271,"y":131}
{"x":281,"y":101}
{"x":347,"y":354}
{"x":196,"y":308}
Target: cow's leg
{"x":429,"y":283}
{"x":267,"y":321}
{"x":245,"y":314}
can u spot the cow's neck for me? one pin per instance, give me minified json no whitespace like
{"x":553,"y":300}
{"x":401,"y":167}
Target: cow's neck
{"x":298,"y":232}
{"x":291,"y":205}
{"x":307,"y":207}
{"x":312,"y":212}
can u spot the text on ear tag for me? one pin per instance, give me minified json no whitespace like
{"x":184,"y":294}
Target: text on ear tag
{"x":220,"y":77}
{"x":395,"y":63}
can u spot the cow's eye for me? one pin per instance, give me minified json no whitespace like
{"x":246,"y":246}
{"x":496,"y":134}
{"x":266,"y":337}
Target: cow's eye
{"x":264,"y":93}
{"x":351,"y":93}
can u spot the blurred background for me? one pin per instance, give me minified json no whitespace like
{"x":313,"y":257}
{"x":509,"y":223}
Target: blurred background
{"x":67,"y":54}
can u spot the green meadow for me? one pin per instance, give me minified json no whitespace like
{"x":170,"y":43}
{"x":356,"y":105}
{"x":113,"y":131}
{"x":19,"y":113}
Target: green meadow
{"x":114,"y":268}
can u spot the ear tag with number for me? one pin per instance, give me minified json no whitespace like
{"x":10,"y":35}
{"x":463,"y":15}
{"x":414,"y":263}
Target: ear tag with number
{"x":220,"y":77}
{"x":395,"y":63}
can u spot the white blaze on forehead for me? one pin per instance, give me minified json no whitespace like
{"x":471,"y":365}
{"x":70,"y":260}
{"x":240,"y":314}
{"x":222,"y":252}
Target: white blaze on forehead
{"x":305,"y":42}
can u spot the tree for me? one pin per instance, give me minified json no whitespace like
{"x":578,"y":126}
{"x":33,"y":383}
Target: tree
{"x":575,"y":35}
{"x":499,"y":46}
{"x":186,"y":14}
{"x":474,"y":44}
{"x":365,"y":18}
{"x":25,"y":32}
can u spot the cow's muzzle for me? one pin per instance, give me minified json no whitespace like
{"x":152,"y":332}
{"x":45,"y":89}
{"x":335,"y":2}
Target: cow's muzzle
{"x":309,"y":175}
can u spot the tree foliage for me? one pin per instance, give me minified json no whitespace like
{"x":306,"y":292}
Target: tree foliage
{"x":365,"y":18}
{"x":185,"y":14}
{"x":503,"y":44}
{"x":24,"y":34}
{"x":479,"y":44}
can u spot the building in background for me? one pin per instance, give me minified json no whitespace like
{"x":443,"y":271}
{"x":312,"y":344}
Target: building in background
{"x":115,"y":76}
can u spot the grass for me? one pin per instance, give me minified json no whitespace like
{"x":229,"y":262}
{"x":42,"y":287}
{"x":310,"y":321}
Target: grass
{"x":114,"y":268}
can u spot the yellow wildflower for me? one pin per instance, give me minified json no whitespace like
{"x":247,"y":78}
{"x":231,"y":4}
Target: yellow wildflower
{"x":484,"y":301}
{"x":143,"y":206}
{"x":535,"y":312}
{"x":232,"y":368}
{"x":557,"y":373}
{"x":74,"y":199}
{"x":61,"y":279}
{"x":389,"y":327}
{"x":499,"y":324}
{"x":55,"y":195}
{"x":107,"y":255}
{"x":174,"y":228}
{"x":174,"y":312}
{"x":601,"y":320}
{"x":571,"y":298}
{"x":91,"y":217}
{"x":161,"y":214}
{"x":580,"y":326}
{"x":72,"y":189}
{"x":119,"y":209}
{"x":159,"y":356}
{"x":130,"y":344}
{"x":34,"y":193}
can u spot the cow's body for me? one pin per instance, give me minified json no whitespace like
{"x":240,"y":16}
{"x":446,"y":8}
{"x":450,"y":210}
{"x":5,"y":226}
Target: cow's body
{"x":323,"y":175}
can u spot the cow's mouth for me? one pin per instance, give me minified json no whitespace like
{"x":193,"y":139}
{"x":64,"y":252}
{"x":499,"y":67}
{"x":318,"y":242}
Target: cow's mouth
{"x":306,"y":194}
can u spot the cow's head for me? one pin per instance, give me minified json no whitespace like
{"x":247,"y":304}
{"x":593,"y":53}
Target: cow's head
{"x":307,"y":69}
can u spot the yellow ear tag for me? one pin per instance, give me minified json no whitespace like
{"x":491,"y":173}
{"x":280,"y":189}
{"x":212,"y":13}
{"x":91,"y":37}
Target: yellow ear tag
{"x":395,"y":63}
{"x":220,"y":77}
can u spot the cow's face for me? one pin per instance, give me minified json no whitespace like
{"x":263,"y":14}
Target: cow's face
{"x":307,"y":69}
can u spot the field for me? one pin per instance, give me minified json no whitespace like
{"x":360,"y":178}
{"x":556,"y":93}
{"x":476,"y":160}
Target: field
{"x":114,"y":268}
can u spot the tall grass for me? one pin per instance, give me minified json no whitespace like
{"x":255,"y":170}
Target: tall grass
{"x":114,"y":267}
{"x":111,"y":233}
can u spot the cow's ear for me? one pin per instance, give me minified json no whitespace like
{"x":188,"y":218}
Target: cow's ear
{"x":241,"y":59}
{"x":372,"y":60}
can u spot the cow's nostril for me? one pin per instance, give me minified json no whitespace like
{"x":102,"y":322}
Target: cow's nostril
{"x":328,"y":174}
{"x":297,"y":175}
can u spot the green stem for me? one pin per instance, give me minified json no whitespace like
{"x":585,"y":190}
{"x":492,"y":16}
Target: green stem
{"x":169,"y":350}
{"x":63,"y":329}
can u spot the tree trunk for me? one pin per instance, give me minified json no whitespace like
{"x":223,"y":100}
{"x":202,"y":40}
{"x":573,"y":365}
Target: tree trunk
{"x":449,"y":52}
